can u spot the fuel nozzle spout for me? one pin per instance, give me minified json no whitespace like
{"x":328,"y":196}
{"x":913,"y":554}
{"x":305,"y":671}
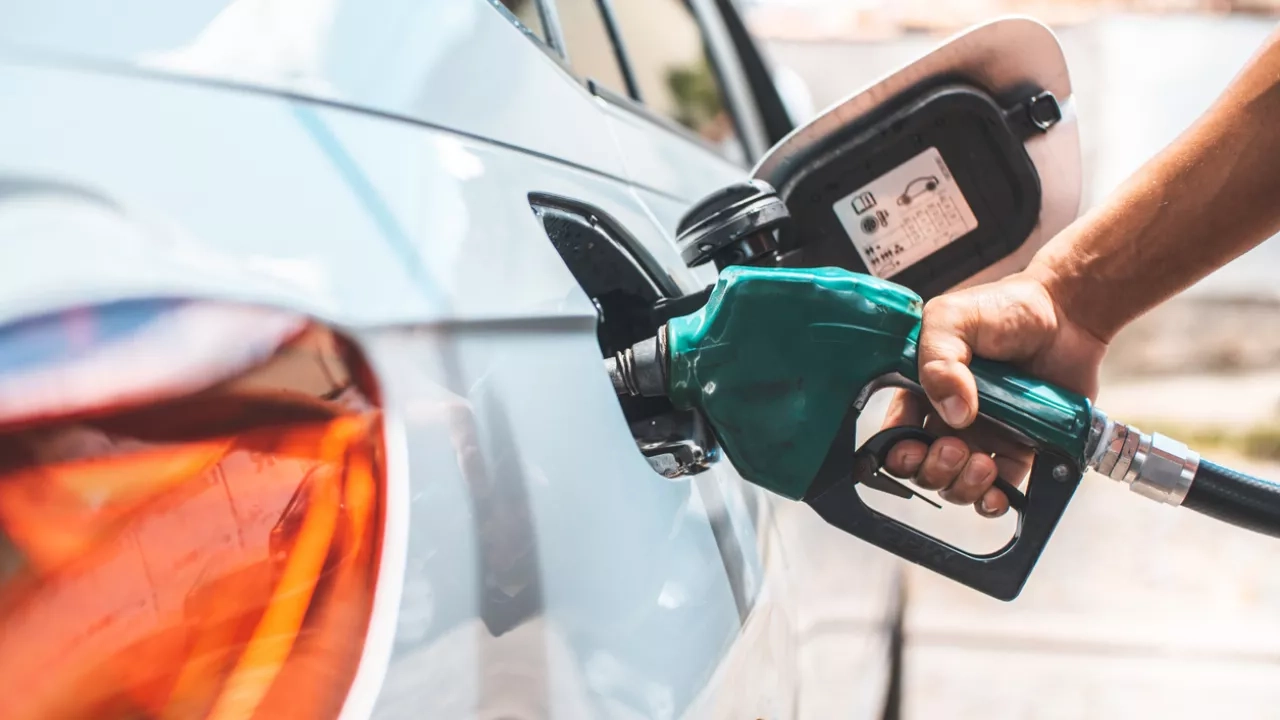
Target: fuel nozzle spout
{"x":640,"y":370}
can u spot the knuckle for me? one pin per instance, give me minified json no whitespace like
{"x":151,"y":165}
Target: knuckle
{"x":911,"y":450}
{"x":941,"y":314}
{"x":905,"y":457}
{"x":936,"y":304}
{"x":940,"y":308}
{"x":974,"y":480}
{"x":945,"y":331}
{"x":945,"y":460}
{"x":981,"y":473}
{"x":1011,"y":318}
{"x":930,"y":475}
{"x":940,"y":376}
{"x":983,"y":464}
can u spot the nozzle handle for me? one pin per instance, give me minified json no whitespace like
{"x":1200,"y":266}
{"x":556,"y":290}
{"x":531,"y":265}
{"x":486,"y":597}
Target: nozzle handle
{"x":1037,"y":412}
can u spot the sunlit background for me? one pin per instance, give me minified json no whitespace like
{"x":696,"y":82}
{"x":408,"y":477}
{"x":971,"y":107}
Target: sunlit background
{"x":1136,"y":610}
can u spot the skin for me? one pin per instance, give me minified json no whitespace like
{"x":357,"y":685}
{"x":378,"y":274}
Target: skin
{"x":1204,"y":200}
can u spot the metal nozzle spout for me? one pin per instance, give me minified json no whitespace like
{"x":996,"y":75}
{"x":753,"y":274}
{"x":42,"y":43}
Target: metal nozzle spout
{"x":640,"y":369}
{"x":614,"y":368}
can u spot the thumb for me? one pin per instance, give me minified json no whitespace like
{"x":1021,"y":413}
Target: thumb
{"x":947,"y":336}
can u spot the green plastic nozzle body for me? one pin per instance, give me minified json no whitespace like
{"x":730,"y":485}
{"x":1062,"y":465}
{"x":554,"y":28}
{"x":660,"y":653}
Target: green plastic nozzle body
{"x":776,"y":358}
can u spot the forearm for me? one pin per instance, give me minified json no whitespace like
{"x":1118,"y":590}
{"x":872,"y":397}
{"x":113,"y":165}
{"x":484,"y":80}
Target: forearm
{"x":1204,"y":200}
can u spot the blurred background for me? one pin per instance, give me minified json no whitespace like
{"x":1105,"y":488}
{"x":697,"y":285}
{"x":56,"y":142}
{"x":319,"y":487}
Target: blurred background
{"x":1136,"y":610}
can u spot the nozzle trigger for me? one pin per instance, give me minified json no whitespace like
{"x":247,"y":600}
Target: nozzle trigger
{"x":876,"y":452}
{"x":886,"y":483}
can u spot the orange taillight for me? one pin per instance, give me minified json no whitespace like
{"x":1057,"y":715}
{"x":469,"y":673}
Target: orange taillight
{"x":212,"y":556}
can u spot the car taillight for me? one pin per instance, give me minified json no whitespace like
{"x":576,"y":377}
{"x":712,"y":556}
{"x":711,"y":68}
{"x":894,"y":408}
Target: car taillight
{"x":206,"y":555}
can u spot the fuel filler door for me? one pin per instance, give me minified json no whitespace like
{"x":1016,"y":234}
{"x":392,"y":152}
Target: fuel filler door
{"x":951,"y":171}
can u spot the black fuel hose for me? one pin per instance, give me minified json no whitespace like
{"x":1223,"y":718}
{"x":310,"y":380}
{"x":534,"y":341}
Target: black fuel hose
{"x":1234,"y":497}
{"x":1165,"y":470}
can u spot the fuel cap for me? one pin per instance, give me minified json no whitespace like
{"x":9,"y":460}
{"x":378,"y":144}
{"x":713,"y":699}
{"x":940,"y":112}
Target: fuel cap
{"x":732,"y":226}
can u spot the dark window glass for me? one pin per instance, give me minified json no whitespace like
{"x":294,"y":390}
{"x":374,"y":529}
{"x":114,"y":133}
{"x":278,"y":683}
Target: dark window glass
{"x":588,"y":45}
{"x":529,"y":15}
{"x":672,"y":68}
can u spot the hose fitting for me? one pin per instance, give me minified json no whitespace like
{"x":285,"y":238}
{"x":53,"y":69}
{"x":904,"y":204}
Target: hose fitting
{"x":1155,"y":466}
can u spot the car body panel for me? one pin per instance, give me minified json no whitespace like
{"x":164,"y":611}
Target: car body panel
{"x":535,"y":564}
{"x":670,"y":163}
{"x":421,"y":240}
{"x":455,"y":64}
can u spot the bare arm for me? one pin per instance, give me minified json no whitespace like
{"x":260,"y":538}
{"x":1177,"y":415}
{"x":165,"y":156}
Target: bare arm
{"x":1211,"y":195}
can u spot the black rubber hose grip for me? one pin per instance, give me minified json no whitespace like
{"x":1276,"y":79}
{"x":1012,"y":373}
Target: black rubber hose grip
{"x":1233,"y":497}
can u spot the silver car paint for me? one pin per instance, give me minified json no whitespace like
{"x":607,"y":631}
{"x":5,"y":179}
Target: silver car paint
{"x":221,"y":150}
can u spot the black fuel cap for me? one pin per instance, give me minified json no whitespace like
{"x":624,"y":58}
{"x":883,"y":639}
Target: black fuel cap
{"x":735,"y":225}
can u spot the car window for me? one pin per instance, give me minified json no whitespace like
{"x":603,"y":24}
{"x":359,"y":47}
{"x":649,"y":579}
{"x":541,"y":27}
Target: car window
{"x":529,"y":15}
{"x":588,"y":45}
{"x":673,"y":71}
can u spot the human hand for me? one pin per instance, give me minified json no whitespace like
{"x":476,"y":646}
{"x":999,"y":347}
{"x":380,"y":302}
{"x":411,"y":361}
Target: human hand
{"x":1016,"y":320}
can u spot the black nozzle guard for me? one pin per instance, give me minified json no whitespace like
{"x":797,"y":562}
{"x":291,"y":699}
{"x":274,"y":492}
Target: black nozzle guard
{"x":1001,"y":574}
{"x":735,"y":225}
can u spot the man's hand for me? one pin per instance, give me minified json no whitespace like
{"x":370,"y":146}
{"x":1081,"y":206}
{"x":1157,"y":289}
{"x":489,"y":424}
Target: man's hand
{"x":1016,"y":320}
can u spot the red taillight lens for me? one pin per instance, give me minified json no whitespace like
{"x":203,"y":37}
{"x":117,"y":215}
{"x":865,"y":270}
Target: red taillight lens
{"x":211,"y":556}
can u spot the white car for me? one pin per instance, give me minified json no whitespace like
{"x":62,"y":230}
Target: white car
{"x":302,"y":407}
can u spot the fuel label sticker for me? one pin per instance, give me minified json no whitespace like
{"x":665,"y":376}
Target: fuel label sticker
{"x":905,"y":215}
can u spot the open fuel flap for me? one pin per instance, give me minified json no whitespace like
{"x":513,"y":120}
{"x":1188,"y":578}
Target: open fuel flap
{"x":630,"y":290}
{"x":951,"y":171}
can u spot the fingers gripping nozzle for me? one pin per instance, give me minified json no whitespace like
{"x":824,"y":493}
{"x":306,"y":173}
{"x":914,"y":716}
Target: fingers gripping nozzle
{"x":642,"y":368}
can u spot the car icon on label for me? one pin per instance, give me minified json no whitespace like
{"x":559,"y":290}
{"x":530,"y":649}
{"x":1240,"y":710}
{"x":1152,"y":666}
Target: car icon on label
{"x":918,"y":187}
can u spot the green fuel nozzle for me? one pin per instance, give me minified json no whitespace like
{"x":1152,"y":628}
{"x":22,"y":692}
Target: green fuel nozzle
{"x":780,"y":355}
{"x":781,"y":361}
